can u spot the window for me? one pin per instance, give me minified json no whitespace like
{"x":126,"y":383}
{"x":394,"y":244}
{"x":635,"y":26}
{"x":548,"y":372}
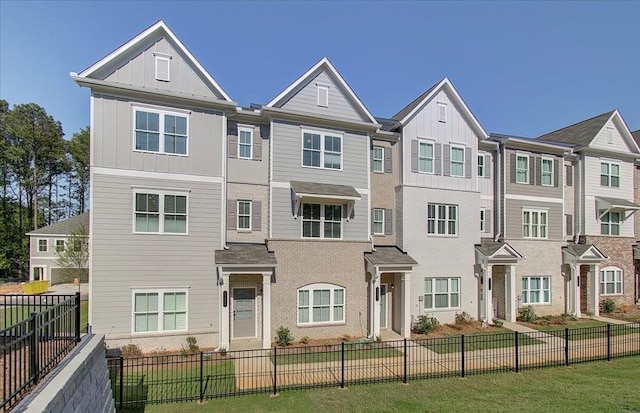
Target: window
{"x":547,"y":172}
{"x":244,"y":215}
{"x":323,"y":95}
{"x":441,"y":293}
{"x":38,"y":273}
{"x":522,"y":169}
{"x":59,"y":245}
{"x":442,"y":219}
{"x":378,"y":221}
{"x":160,"y":131}
{"x":442,"y":112}
{"x":425,"y":157}
{"x":321,"y":221}
{"x":378,"y":159}
{"x":42,"y":245}
{"x":610,"y":174}
{"x":155,"y":311}
{"x":321,"y":150}
{"x":611,"y":281}
{"x":245,"y":143}
{"x":160,"y":213}
{"x":321,"y":303}
{"x":610,"y":223}
{"x":163,"y":67}
{"x":481,"y":166}
{"x":534,"y":223}
{"x":483,"y":218}
{"x":457,"y":161}
{"x":536,"y":290}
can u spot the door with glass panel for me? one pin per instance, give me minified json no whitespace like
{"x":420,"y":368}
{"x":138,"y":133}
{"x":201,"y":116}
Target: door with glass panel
{"x":244,"y":315}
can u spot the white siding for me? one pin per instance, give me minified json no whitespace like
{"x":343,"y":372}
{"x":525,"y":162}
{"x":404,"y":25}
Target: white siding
{"x":601,"y":141}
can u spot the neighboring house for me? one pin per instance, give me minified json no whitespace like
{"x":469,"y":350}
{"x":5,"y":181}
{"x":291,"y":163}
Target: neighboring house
{"x":603,"y":168}
{"x":45,"y":242}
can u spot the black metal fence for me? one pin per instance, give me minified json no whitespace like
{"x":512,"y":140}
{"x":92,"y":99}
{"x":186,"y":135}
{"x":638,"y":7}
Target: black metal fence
{"x":136,"y":381}
{"x":37,"y":333}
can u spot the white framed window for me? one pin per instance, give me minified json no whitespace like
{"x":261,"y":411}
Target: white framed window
{"x":536,"y":290}
{"x":163,"y":67}
{"x":610,"y":174}
{"x":323,"y":95}
{"x":244,"y":215}
{"x":378,"y":159}
{"x":59,"y":245}
{"x":321,"y":303}
{"x":457,"y":160}
{"x":378,"y":221}
{"x":160,"y":212}
{"x":483,"y":217}
{"x":442,"y":112}
{"x":611,"y":281}
{"x":43,"y":245}
{"x":441,"y":293}
{"x":425,"y":157}
{"x":160,"y":131}
{"x":321,"y":221}
{"x":534,"y":223}
{"x":245,"y":143}
{"x":320,"y":150}
{"x":442,"y":219}
{"x":546,"y":175}
{"x":481,"y":165}
{"x":610,"y":223}
{"x":159,"y":310}
{"x":37,"y":273}
{"x":522,"y":169}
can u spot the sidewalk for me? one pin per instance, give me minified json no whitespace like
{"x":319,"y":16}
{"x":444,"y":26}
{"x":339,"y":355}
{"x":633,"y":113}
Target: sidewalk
{"x":69,"y":289}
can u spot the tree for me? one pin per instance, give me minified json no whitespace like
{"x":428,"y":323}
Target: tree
{"x":78,"y":149}
{"x":74,"y":257}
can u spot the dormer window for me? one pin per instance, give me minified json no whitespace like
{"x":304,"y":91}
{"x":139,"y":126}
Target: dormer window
{"x":163,"y":66}
{"x":442,"y":112}
{"x":323,"y":95}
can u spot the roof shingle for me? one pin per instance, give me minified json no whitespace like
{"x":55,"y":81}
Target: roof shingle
{"x":246,"y":254}
{"x":579,"y":134}
{"x":65,"y":227}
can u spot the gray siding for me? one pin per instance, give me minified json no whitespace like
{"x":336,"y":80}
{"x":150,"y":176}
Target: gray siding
{"x":249,"y":170}
{"x":555,"y":218}
{"x":113,"y":141}
{"x":383,"y":191}
{"x":285,"y":226}
{"x":287,"y":157}
{"x":306,"y":100}
{"x":255,"y":193}
{"x":139,"y":70}
{"x":536,"y":189}
{"x":122,"y":260}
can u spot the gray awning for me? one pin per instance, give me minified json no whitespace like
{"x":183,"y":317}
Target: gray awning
{"x":606,"y":204}
{"x":494,"y":251}
{"x":389,"y":256}
{"x":582,"y":253}
{"x":316,"y":190}
{"x":245,"y":255}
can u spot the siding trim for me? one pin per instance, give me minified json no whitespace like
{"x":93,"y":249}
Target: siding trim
{"x":157,"y":175}
{"x":534,"y":198}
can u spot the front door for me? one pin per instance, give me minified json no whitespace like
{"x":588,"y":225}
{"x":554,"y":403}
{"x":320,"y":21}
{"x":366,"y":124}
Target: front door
{"x":383,"y":305}
{"x":244,"y":314}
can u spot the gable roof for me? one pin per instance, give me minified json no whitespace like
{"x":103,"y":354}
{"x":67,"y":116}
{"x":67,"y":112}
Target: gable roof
{"x":581,"y":133}
{"x":65,"y":227}
{"x":445,"y":84}
{"x":323,"y":64}
{"x":636,"y":136}
{"x":497,"y":250}
{"x":158,"y":28}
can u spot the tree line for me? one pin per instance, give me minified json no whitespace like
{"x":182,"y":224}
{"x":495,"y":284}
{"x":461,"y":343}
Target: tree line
{"x":44,"y":179}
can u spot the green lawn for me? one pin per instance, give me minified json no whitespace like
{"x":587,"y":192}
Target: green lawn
{"x":16,"y":314}
{"x":587,"y":387}
{"x":353,"y":351}
{"x":483,"y":341}
{"x":587,"y":330}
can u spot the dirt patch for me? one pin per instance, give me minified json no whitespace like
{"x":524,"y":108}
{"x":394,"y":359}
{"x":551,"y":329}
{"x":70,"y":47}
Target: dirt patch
{"x":473,"y":327}
{"x":11,"y":288}
{"x":625,"y":313}
{"x":559,"y":321}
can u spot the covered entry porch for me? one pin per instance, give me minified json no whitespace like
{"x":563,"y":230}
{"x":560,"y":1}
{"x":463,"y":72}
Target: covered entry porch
{"x":581,"y":264}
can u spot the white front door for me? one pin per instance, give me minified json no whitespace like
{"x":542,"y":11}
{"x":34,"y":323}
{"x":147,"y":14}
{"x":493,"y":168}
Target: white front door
{"x":384,"y":307}
{"x":244,"y":314}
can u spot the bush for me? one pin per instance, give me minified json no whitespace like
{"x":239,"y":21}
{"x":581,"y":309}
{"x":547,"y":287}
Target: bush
{"x":192,"y":346}
{"x":463,"y":319}
{"x":527,"y":314}
{"x":131,"y":350}
{"x":425,"y":325}
{"x":305,"y":340}
{"x":222,"y":351}
{"x":283,"y":337}
{"x":497,"y":322}
{"x":607,"y":305}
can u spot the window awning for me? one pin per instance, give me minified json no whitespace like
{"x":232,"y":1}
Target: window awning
{"x":605,"y":205}
{"x":313,"y":191}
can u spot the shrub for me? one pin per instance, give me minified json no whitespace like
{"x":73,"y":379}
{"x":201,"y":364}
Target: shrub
{"x":527,"y":314}
{"x":222,"y":351}
{"x":607,"y":305}
{"x":131,"y":350}
{"x":378,"y":339}
{"x":497,"y":322}
{"x":192,"y":346}
{"x":463,"y":319}
{"x":305,"y":340}
{"x":425,"y":324}
{"x":283,"y":336}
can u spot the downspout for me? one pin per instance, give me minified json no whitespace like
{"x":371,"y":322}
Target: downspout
{"x":501,"y":185}
{"x":578,"y":199}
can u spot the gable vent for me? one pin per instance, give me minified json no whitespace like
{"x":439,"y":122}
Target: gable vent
{"x":610,"y":135}
{"x":442,"y":112}
{"x":163,"y":67}
{"x":323,"y":96}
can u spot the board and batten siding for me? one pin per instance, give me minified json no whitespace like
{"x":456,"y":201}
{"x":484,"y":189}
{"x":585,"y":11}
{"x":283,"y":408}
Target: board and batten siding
{"x":485,"y":183}
{"x":455,"y":131}
{"x":287,"y":157}
{"x":122,"y":260}
{"x":255,"y":170}
{"x":140,"y":70}
{"x":555,"y":218}
{"x":615,"y":142}
{"x":306,"y":100}
{"x":534,"y":187}
{"x":594,"y":189}
{"x":286,"y":226}
{"x":113,"y":140}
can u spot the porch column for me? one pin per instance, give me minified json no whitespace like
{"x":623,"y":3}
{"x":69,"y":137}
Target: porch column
{"x":405,"y":329}
{"x":510,"y":292}
{"x":575,"y":288}
{"x":224,"y":313}
{"x":375,"y":299}
{"x":594,"y":278}
{"x":266,"y":310}
{"x":488,"y":294}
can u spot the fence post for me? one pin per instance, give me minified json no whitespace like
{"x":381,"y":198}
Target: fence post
{"x":517,"y":353}
{"x":201,"y":377}
{"x":342,"y":357}
{"x":566,"y":346}
{"x":608,"y":342}
{"x":33,"y":347}
{"x":275,"y":371}
{"x":121,"y":399}
{"x":404,"y":377}
{"x":78,"y":317}
{"x":462,"y":352}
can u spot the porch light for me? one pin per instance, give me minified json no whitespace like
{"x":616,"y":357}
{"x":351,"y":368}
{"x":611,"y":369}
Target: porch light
{"x":225,"y":298}
{"x":393,"y":286}
{"x":377,"y":293}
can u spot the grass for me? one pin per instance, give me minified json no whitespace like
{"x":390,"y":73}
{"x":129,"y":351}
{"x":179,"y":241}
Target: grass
{"x":586,"y":387}
{"x":482,"y":341}
{"x":586,"y":330}
{"x":353,"y":351}
{"x":16,"y":314}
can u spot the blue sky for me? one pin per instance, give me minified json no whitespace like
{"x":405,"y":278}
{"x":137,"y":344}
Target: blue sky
{"x":523,"y":68}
